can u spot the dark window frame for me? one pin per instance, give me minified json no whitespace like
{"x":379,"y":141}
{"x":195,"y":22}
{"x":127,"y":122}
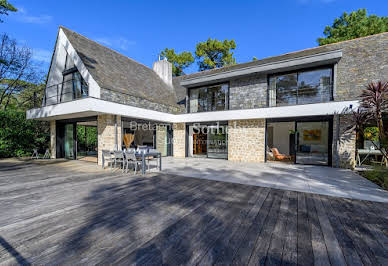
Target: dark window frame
{"x":297,"y":71}
{"x":227,"y":103}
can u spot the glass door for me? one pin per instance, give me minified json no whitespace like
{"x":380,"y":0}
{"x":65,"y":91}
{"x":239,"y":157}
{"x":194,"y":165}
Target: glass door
{"x":69,"y":141}
{"x":312,"y":143}
{"x":217,"y":143}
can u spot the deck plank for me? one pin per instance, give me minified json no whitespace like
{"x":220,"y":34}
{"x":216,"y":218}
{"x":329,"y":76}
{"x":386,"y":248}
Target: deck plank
{"x":75,"y":213}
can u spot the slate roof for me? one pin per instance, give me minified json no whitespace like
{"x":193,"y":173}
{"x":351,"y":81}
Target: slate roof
{"x":287,"y":56}
{"x":114,"y":71}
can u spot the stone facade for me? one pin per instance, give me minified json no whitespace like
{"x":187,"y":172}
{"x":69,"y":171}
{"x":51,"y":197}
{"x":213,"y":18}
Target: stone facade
{"x":249,"y":92}
{"x":363,"y":60}
{"x":106,"y":134}
{"x":344,"y":143}
{"x":161,"y":140}
{"x":179,"y":131}
{"x":117,"y":97}
{"x":246,"y":140}
{"x":53,"y":140}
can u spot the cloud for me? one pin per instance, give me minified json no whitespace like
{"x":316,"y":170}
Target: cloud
{"x":23,"y":16}
{"x":118,"y":43}
{"x":42,"y":55}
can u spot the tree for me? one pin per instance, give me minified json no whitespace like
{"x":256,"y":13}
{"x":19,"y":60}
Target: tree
{"x":354,"y":25}
{"x":6,"y":7}
{"x":214,"y":53}
{"x":374,"y":102}
{"x":16,"y":69}
{"x":179,"y":61}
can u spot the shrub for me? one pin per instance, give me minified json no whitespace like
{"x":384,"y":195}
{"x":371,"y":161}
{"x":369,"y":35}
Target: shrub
{"x":379,"y":176}
{"x":18,"y":136}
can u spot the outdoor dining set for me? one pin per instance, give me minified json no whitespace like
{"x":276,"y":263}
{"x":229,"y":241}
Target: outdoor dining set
{"x":142,"y":157}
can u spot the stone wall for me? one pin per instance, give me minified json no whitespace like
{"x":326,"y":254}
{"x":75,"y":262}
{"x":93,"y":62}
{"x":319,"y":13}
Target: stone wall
{"x":179,"y":131}
{"x":106,"y":134}
{"x":344,"y":143}
{"x":248,"y":92}
{"x":53,"y":139}
{"x":127,"y":99}
{"x":246,"y":140}
{"x":161,"y":139}
{"x":363,"y":60}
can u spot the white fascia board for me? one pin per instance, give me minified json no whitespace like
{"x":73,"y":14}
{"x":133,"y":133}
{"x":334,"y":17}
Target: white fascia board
{"x":317,"y":109}
{"x":93,"y":106}
{"x":321,"y":58}
{"x":94,"y":88}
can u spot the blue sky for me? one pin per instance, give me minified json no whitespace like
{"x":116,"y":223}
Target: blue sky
{"x":141,"y":29}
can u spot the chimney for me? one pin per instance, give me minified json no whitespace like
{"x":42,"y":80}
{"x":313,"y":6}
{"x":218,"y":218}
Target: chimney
{"x":164,"y":70}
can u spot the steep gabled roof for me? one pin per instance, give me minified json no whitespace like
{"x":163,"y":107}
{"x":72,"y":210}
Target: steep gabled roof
{"x":116,"y":72}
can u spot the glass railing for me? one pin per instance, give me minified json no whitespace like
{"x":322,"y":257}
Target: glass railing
{"x":64,"y":92}
{"x":300,"y":95}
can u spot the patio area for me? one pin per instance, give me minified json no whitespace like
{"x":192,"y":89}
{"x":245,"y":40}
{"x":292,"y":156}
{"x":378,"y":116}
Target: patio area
{"x":321,"y":180}
{"x":74,"y":213}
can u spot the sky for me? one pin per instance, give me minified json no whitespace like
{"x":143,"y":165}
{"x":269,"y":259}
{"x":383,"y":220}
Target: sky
{"x":141,"y":29}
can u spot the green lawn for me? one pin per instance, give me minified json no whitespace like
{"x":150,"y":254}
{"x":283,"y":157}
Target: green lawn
{"x":379,"y":176}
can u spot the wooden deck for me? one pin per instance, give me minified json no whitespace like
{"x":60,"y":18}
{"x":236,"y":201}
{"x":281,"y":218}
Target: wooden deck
{"x":74,"y":213}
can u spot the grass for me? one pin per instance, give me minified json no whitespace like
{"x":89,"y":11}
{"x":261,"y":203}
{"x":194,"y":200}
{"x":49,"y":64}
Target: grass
{"x":379,"y":176}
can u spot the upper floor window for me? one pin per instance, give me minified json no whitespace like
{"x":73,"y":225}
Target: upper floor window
{"x":302,"y":87}
{"x":73,"y":86}
{"x":211,"y":98}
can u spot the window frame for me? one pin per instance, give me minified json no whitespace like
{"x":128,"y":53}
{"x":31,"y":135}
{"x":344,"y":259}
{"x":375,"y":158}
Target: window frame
{"x":297,"y":72}
{"x":227,"y":103}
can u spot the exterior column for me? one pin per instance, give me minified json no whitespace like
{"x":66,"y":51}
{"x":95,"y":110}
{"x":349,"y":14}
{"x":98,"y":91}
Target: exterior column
{"x":161,"y":139}
{"x":179,"y":130}
{"x":246,"y":140}
{"x":53,"y":139}
{"x":107,"y":128}
{"x":344,"y":148}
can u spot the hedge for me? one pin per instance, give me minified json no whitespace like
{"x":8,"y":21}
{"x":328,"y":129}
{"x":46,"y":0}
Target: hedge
{"x":18,"y":136}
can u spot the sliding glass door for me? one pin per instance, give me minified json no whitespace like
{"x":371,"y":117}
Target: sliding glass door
{"x":312,"y":141}
{"x":69,"y":141}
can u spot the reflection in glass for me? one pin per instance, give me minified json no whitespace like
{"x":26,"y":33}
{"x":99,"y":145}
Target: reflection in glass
{"x":69,"y":141}
{"x":312,"y":143}
{"x":304,"y":87}
{"x":214,"y":98}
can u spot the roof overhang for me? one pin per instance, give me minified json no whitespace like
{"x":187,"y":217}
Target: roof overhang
{"x":91,"y":107}
{"x":320,"y":59}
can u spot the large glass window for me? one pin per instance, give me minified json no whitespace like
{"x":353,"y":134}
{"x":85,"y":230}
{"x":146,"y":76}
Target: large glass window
{"x":212,"y":98}
{"x":303,"y":87}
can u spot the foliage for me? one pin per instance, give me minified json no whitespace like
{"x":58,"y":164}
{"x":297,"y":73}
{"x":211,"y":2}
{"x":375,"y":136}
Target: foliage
{"x":6,"y":7}
{"x":354,"y":25}
{"x":214,"y":53}
{"x":18,"y":136}
{"x":378,"y":175}
{"x":16,"y":70}
{"x":179,"y":61}
{"x":254,"y":58}
{"x":374,"y":102}
{"x":371,"y":133}
{"x":374,"y":99}
{"x":91,"y":137}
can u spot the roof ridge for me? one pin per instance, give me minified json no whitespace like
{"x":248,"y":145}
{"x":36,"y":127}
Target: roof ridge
{"x":105,"y":46}
{"x":288,"y":53}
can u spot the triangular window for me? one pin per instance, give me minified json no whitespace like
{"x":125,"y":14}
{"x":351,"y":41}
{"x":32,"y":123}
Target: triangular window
{"x":73,"y":85}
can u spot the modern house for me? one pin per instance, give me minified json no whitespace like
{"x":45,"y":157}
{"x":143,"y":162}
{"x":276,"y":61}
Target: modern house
{"x":292,"y":102}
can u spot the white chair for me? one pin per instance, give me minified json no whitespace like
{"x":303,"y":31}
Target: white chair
{"x":130,"y":158}
{"x":118,"y":156}
{"x":107,"y":156}
{"x":47,"y":154}
{"x":35,"y":154}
